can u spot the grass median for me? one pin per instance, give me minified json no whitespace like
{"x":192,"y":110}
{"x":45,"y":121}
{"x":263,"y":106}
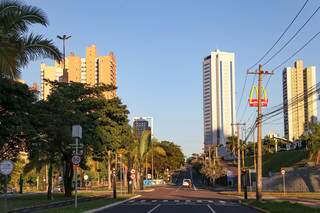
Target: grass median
{"x":282,"y":207}
{"x":30,"y":200}
{"x":84,"y":206}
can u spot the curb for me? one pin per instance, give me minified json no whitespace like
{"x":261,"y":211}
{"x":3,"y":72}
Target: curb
{"x":254,"y":207}
{"x":111,"y":205}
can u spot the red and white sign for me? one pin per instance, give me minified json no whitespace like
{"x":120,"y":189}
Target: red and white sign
{"x":283,"y":172}
{"x":76,"y":159}
{"x":132,"y":176}
{"x":133,"y":171}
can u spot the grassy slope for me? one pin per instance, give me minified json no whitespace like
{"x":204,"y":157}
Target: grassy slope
{"x":273,"y":162}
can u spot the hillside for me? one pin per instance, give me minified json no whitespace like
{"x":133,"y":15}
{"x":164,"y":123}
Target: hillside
{"x":274,"y":162}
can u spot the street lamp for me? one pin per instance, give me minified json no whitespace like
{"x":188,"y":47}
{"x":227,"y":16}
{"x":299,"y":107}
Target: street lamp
{"x":64,"y":38}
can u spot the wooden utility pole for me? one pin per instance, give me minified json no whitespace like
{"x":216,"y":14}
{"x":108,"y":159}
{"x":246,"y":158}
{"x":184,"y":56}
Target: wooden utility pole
{"x":239,"y":154}
{"x":260,"y":73}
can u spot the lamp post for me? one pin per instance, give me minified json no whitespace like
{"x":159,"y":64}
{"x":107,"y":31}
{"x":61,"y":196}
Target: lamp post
{"x":64,"y":38}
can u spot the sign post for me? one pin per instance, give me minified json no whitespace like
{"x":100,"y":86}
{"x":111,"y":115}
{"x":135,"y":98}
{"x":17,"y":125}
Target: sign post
{"x":76,"y":133}
{"x":283,"y":173}
{"x":6,"y":167}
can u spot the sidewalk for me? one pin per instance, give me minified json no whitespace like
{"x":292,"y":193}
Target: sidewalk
{"x":312,"y":202}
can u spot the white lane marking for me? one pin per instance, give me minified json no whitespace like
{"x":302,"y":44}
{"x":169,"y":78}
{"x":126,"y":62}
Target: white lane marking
{"x":142,"y":201}
{"x":154,"y":201}
{"x":222,"y":201}
{"x":210,"y":201}
{"x":151,"y":210}
{"x":176,"y":201}
{"x":211,"y":209}
{"x":188,"y":201}
{"x":131,"y":201}
{"x":199,"y":201}
{"x":165,"y":201}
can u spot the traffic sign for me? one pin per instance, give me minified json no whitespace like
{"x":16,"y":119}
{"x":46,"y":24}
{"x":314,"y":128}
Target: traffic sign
{"x":76,"y":159}
{"x":133,"y":171}
{"x":6,"y":167}
{"x":132,"y":176}
{"x":283,"y":172}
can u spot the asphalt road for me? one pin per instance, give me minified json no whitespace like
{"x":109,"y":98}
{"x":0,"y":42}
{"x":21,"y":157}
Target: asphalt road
{"x":175,"y":199}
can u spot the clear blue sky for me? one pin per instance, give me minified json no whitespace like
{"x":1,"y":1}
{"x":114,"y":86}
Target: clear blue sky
{"x":160,"y":45}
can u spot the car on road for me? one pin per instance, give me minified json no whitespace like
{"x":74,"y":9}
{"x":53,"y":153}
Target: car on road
{"x":187,"y":183}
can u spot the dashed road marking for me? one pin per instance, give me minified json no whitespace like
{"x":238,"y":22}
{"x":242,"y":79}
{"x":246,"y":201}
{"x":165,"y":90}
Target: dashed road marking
{"x":154,"y":201}
{"x":176,"y":201}
{"x":151,"y":210}
{"x":165,"y":201}
{"x":211,"y":209}
{"x":142,"y":201}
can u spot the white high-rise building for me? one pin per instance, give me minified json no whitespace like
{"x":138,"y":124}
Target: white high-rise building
{"x":218,"y":97}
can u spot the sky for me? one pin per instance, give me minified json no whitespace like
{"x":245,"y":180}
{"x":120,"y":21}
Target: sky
{"x":160,"y":45}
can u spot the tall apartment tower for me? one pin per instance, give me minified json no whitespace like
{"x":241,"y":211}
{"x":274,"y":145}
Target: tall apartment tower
{"x":299,"y":105}
{"x":218,"y":97}
{"x":92,"y":70}
{"x":141,"y":124}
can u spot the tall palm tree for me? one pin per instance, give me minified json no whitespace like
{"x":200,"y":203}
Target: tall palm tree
{"x":17,"y":45}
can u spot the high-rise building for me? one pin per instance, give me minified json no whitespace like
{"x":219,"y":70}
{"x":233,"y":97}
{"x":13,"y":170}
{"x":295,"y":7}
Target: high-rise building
{"x":92,"y":70}
{"x":141,"y":124}
{"x":218,"y":97}
{"x":299,"y":105}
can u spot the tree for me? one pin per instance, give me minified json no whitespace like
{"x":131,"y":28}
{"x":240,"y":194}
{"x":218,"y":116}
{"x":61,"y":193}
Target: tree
{"x":16,"y":102}
{"x":17,"y":46}
{"x":69,"y":104}
{"x":313,"y":142}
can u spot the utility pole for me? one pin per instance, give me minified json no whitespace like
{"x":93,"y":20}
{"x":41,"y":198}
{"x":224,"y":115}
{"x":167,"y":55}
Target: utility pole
{"x":260,"y":73}
{"x":239,"y":154}
{"x":242,"y":148}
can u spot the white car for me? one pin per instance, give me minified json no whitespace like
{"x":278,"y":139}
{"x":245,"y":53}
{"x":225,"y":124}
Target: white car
{"x":187,"y":183}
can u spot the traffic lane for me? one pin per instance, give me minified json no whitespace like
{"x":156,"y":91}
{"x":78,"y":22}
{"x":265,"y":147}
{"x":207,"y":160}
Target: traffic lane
{"x":233,"y":209}
{"x":123,"y":208}
{"x":183,"y":209}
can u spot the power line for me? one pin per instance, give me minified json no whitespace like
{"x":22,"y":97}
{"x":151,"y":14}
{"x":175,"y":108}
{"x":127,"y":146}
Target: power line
{"x":284,"y":32}
{"x":301,"y":48}
{"x":297,"y":32}
{"x":265,"y":54}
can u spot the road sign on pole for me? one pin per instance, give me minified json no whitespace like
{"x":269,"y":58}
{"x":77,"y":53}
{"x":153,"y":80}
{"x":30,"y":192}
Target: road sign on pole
{"x":6,"y":167}
{"x":76,"y":159}
{"x":132,"y":176}
{"x":77,"y":134}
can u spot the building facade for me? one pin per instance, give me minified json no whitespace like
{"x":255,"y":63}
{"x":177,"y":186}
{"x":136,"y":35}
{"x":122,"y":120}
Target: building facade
{"x":92,"y":70}
{"x":299,"y":100}
{"x":141,"y":124}
{"x":218,"y":97}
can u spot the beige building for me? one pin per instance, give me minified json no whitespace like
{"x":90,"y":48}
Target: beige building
{"x":92,"y":70}
{"x":299,"y":105}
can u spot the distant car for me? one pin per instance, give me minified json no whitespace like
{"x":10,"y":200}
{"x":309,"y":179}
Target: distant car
{"x":187,"y":183}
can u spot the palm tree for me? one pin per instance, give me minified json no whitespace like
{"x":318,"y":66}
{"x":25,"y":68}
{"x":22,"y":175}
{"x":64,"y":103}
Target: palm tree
{"x":17,"y":45}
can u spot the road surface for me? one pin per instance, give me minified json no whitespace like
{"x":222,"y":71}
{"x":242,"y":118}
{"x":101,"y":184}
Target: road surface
{"x":176,"y":199}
